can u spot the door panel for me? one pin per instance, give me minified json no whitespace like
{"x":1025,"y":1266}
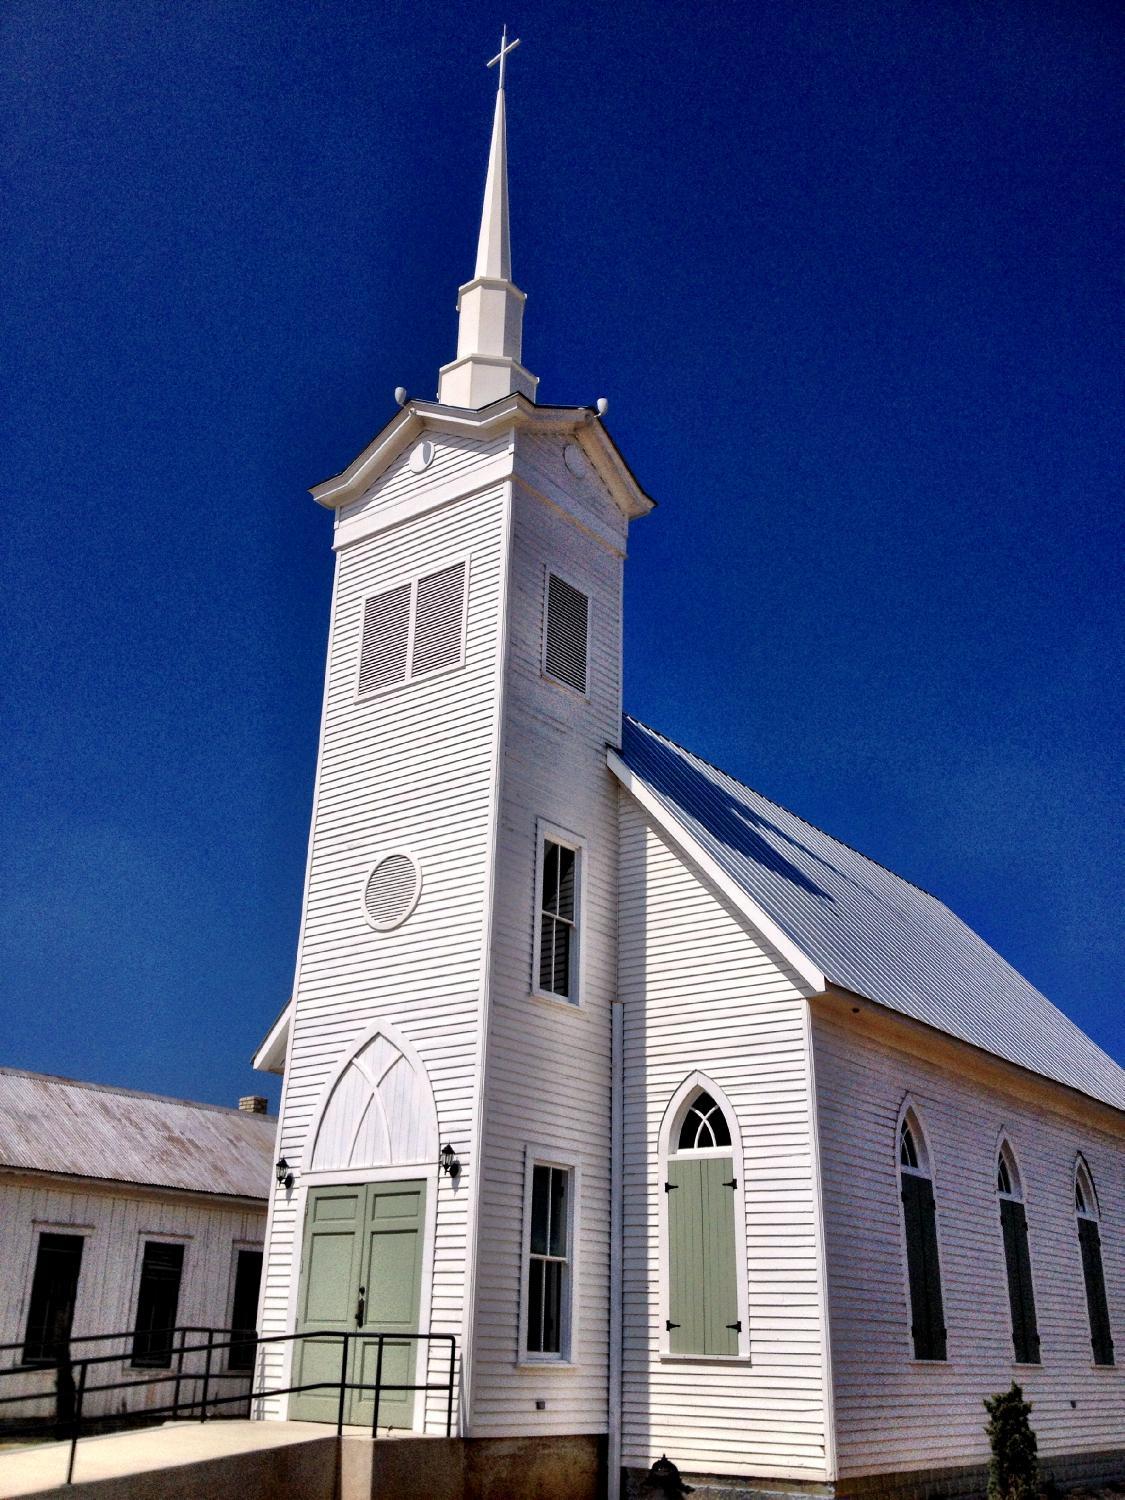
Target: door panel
{"x":396,"y":1217}
{"x":330,"y":1258}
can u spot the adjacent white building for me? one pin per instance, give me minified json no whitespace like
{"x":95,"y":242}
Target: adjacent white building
{"x":128,"y":1214}
{"x":762,"y":1159}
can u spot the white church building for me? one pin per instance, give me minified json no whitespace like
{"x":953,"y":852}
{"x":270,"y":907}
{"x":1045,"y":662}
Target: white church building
{"x":701,"y":1133}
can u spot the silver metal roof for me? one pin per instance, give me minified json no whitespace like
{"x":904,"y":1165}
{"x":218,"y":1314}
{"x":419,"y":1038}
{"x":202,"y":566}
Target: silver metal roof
{"x":865,"y":928}
{"x":59,"y":1125}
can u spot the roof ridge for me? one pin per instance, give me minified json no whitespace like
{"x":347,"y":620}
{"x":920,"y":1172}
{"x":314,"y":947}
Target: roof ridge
{"x":113,"y":1088}
{"x":773,"y":802}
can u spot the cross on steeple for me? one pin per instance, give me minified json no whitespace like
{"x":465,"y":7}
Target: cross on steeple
{"x":501,"y":57}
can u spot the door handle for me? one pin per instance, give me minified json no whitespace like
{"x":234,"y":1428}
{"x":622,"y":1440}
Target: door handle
{"x":359,"y":1307}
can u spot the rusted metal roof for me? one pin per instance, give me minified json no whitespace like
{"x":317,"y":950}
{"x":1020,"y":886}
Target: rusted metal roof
{"x":867,"y":929}
{"x":60,"y":1125}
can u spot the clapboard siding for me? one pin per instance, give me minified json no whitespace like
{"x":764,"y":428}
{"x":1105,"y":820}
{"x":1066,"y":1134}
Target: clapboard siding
{"x":548,"y":1065}
{"x":114,"y":1225}
{"x":891,"y":1412}
{"x":409,"y":767}
{"x":701,"y":992}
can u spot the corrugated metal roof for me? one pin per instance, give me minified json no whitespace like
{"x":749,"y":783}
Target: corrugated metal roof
{"x":867,"y":929}
{"x":50,"y":1124}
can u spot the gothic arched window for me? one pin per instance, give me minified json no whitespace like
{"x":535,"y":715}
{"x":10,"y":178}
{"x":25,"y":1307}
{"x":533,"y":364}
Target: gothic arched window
{"x":1090,"y":1244}
{"x":927,"y":1314}
{"x":701,"y":1194}
{"x":1017,"y":1258}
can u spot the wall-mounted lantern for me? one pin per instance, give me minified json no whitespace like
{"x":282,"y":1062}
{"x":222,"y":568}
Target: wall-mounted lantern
{"x":449,"y":1163}
{"x":284,"y":1175}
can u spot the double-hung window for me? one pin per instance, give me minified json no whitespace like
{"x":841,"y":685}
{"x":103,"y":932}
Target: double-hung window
{"x":158,"y":1300}
{"x":549,"y":1261}
{"x":559,"y":897}
{"x":54,"y":1289}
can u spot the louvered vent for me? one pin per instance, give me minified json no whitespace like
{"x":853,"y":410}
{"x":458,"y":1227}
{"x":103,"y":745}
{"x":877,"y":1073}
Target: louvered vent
{"x":438,"y":621}
{"x":564,"y":652}
{"x":386,"y":639}
{"x":391,"y":892}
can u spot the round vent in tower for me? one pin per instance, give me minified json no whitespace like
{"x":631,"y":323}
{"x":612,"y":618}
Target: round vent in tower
{"x":392,"y":890}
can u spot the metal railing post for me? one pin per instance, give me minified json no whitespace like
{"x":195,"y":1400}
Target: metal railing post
{"x":179,"y":1376}
{"x":344,"y":1337}
{"x":378,"y":1387}
{"x":449,"y":1393}
{"x":79,"y":1397}
{"x":206,"y":1376}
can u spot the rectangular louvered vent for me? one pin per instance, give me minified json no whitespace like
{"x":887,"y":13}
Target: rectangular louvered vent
{"x":565,"y":636}
{"x":438,"y":618}
{"x":413,"y":630}
{"x":386,"y":639}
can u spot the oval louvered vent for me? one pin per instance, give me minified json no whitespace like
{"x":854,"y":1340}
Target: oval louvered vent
{"x":564,"y":647}
{"x":392,"y":890}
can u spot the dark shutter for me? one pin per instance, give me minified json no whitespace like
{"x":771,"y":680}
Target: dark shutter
{"x":53,"y":1290}
{"x":927,"y":1315}
{"x":1096,"y":1305}
{"x":1021,"y":1295}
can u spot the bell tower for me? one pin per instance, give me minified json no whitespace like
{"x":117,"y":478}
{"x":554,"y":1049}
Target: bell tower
{"x":457,"y":959}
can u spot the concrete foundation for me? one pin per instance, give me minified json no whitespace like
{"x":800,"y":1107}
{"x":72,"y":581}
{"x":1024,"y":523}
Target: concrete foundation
{"x":967,"y":1482}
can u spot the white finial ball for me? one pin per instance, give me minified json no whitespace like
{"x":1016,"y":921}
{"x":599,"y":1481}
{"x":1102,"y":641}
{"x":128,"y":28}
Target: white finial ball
{"x":601,"y":405}
{"x":400,"y":395}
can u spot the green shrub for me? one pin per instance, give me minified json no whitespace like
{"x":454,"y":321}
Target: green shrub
{"x":1013,"y":1470}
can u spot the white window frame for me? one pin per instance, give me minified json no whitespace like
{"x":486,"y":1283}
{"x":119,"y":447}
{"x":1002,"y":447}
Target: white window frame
{"x":412,"y":579}
{"x":163,"y":1237}
{"x":548,"y":572}
{"x":571,"y":1163}
{"x":674,"y":1112}
{"x":549,"y":833}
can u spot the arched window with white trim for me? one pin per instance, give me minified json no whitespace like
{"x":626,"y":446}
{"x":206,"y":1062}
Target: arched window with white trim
{"x":1017,"y":1257}
{"x":1090,"y":1244}
{"x":927,"y":1313}
{"x":701,"y":1193}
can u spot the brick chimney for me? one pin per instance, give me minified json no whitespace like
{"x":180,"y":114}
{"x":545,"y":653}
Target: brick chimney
{"x":253,"y":1104}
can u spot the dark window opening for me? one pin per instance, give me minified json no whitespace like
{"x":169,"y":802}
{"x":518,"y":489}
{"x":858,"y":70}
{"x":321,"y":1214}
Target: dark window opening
{"x":54,"y":1288}
{"x":558,"y":920}
{"x":927,"y":1314}
{"x":704,"y":1126}
{"x":549,"y":1259}
{"x":244,"y":1310}
{"x":158,"y":1301}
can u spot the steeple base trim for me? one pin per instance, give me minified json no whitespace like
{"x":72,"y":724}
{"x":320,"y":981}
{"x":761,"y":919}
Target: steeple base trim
{"x":480,"y":379}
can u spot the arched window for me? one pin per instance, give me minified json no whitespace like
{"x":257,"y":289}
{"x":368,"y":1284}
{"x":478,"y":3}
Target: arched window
{"x":927,"y":1314}
{"x":1090,"y":1244}
{"x":701,"y":1191}
{"x":1017,"y":1258}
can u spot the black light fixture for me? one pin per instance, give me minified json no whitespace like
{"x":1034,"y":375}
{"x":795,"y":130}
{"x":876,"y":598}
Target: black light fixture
{"x":284,"y":1175}
{"x":449,"y":1163}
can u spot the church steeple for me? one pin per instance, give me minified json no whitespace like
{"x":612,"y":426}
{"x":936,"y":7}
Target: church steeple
{"x":490,"y":330}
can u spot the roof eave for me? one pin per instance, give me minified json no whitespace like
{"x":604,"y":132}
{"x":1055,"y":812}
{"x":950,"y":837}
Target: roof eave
{"x":515,"y":410}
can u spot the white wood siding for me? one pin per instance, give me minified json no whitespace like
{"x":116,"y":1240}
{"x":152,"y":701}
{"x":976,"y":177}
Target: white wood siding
{"x":114,"y":1225}
{"x":411,"y":768}
{"x":548,"y":1063}
{"x":894,"y":1413}
{"x":700,"y":991}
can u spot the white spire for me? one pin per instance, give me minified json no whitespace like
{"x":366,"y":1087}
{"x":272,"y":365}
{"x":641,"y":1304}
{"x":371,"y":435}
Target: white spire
{"x":490,"y":332}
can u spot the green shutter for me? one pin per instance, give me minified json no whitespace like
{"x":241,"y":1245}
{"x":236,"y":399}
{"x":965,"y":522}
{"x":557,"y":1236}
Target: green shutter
{"x":1021,"y":1295}
{"x":1100,"y":1336}
{"x":702,"y":1269}
{"x":927,"y":1315}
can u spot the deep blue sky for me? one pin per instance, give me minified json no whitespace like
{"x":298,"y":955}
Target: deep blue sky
{"x":849,"y":275}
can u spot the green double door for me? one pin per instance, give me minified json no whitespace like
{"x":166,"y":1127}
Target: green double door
{"x":361,"y":1272}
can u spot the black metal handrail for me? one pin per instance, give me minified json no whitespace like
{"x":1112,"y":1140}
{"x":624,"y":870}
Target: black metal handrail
{"x":206,"y":1399}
